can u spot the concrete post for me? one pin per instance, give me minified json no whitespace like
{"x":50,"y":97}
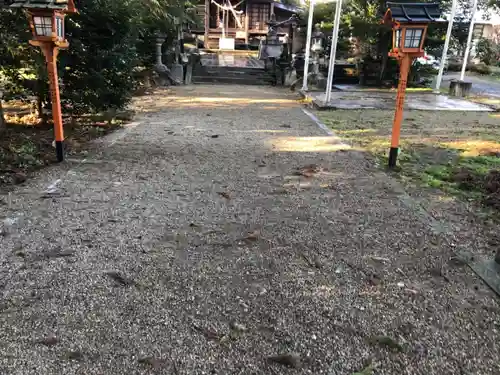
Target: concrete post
{"x":469,"y":40}
{"x":308,"y":45}
{"x":445,"y":48}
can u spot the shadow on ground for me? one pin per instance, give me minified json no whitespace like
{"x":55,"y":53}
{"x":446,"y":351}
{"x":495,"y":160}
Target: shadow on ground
{"x":213,"y":237}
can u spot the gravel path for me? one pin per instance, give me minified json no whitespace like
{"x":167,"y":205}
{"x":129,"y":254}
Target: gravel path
{"x":220,"y":232}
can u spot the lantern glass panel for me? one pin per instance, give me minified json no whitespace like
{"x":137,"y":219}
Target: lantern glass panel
{"x":60,"y":27}
{"x":413,"y":37}
{"x":43,"y":26}
{"x":398,"y":39}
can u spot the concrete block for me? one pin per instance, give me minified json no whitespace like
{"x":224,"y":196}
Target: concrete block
{"x":460,"y":88}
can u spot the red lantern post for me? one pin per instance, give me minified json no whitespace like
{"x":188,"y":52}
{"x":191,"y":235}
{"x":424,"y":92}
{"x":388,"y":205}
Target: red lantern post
{"x":47,"y":24}
{"x":409,"y":26}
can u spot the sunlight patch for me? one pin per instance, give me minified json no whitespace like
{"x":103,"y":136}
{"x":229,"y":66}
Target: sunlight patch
{"x":308,"y":144}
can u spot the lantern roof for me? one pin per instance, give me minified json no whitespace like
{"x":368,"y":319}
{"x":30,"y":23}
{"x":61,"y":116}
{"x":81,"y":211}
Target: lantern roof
{"x":65,"y":5}
{"x":413,"y":12}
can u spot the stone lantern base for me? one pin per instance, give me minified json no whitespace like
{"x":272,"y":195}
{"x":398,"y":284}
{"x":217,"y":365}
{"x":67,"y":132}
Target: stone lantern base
{"x":460,"y":88}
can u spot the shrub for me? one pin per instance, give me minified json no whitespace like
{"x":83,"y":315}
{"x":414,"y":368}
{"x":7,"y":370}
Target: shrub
{"x":454,"y":66}
{"x":480,"y":68}
{"x":488,"y":52}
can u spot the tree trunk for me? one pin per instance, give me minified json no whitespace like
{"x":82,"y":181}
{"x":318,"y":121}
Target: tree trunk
{"x":2,"y":119}
{"x":39,"y":102}
{"x":384,"y":44}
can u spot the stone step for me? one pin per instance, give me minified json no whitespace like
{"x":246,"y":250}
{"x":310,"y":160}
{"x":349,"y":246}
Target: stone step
{"x":231,"y":80}
{"x":231,"y":74}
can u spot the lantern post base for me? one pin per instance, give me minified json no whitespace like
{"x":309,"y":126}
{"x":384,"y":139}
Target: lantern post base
{"x":460,"y":88}
{"x":60,"y":151}
{"x":393,"y":156}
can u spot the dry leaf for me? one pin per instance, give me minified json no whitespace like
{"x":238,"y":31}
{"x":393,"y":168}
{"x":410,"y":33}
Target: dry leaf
{"x":252,"y":236}
{"x":50,"y":340}
{"x":153,"y":362}
{"x":224,"y":194}
{"x":287,"y":359}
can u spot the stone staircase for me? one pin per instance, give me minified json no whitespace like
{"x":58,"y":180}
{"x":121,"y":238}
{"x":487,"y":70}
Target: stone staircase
{"x":230,"y":68}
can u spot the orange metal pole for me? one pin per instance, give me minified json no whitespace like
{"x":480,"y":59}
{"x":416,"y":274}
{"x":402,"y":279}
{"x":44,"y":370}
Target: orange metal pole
{"x":404,"y":67}
{"x":50,"y":51}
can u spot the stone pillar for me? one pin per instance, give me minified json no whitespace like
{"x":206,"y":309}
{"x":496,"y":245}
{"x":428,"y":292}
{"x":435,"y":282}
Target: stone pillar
{"x":159,"y":43}
{"x":247,"y":21}
{"x":207,"y":24}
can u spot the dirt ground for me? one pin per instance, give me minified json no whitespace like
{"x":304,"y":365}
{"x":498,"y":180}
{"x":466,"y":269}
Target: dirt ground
{"x":27,"y":146}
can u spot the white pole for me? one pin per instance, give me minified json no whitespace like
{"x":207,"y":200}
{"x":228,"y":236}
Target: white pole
{"x":446,"y":44}
{"x":469,"y":40}
{"x":308,"y":44}
{"x":333,"y":51}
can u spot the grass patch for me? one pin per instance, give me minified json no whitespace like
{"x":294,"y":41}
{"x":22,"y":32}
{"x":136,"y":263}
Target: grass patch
{"x":457,"y":152}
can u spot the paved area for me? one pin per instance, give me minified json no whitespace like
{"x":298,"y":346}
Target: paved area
{"x":386,"y":100}
{"x":226,"y":233}
{"x":480,"y":85}
{"x":231,"y":61}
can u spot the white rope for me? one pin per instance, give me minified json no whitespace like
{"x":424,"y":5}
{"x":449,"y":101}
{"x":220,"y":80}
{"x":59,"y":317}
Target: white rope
{"x":231,"y":7}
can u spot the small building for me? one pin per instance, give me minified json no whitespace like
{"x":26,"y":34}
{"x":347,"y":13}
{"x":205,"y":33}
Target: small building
{"x":243,"y":21}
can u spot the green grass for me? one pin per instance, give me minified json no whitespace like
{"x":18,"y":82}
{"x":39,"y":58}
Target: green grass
{"x":435,"y":147}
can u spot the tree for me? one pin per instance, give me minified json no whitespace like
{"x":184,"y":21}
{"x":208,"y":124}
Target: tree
{"x":108,"y":40}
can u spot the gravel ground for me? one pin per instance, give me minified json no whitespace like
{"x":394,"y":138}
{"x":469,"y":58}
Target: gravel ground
{"x":221,"y":231}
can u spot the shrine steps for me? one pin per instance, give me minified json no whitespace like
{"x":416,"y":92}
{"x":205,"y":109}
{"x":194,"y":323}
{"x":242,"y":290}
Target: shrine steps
{"x":231,"y":75}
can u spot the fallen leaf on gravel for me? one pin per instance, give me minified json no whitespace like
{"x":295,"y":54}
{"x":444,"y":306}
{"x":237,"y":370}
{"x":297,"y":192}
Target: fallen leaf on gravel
{"x":308,"y":170}
{"x":291,"y":359}
{"x":19,"y":178}
{"x":366,"y":371}
{"x":252,"y":236}
{"x":316,"y":263}
{"x":457,"y":262}
{"x":119,"y":279}
{"x":419,"y":349}
{"x":374,"y":279}
{"x":385,"y":341}
{"x":56,"y":253}
{"x":209,"y":333}
{"x":50,"y":340}
{"x":224,"y":194}
{"x":380,"y":259}
{"x":74,"y":355}
{"x":439,"y":272}
{"x":237,"y":327}
{"x":150,"y":361}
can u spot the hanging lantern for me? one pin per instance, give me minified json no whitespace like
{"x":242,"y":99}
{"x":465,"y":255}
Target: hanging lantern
{"x":408,"y":22}
{"x":409,"y":26}
{"x":46,"y":18}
